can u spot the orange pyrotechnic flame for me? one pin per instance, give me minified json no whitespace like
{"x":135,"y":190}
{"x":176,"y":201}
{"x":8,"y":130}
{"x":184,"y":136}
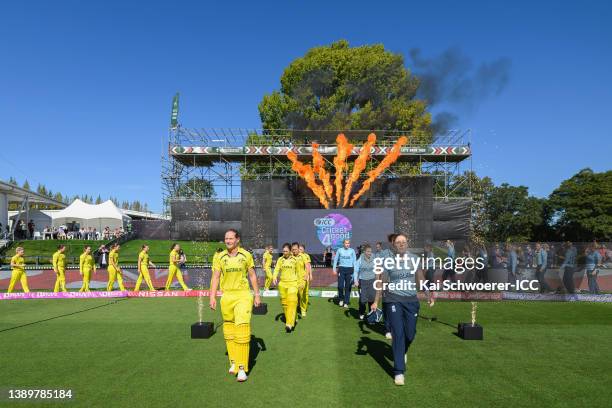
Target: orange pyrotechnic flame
{"x":344,"y":149}
{"x":318,"y":166}
{"x":382,"y":166}
{"x":360,"y":165}
{"x":306,"y":172}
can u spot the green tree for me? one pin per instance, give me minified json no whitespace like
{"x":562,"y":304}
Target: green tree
{"x":26,"y":185}
{"x":582,"y":206}
{"x":12,"y":181}
{"x":99,"y":199}
{"x":512,"y":214}
{"x":41,"y":189}
{"x":196,"y":188}
{"x":343,"y":87}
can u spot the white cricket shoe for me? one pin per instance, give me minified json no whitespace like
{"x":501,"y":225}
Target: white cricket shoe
{"x":345,"y":306}
{"x":399,"y":379}
{"x":232,"y":369}
{"x":243,"y":377}
{"x":361,"y":317}
{"x":341,"y":303}
{"x":388,"y":335}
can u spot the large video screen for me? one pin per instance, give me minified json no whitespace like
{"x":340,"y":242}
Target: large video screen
{"x":318,"y":229}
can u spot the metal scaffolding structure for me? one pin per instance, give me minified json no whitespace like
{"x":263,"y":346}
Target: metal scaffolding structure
{"x":222,"y":158}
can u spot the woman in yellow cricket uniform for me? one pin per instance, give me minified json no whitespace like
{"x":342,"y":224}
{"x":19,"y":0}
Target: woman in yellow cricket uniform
{"x":231,"y":268}
{"x":286,"y":265}
{"x":86,"y":266}
{"x":304,"y":283}
{"x":114,"y":272}
{"x":267,"y":265}
{"x":173,"y":268}
{"x":59,"y":266}
{"x":143,"y":269}
{"x":18,"y":271}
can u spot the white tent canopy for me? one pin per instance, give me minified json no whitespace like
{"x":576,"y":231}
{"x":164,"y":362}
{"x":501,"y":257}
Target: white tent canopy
{"x":86,"y":215}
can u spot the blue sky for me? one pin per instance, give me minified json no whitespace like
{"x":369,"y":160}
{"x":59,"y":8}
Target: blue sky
{"x":86,"y":87}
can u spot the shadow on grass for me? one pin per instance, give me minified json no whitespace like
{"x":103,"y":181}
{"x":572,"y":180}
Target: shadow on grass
{"x":378,"y":328}
{"x":257,"y":344}
{"x":64,"y":315}
{"x":352,"y":313}
{"x":379,"y":350}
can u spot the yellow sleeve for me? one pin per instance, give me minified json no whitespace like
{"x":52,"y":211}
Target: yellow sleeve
{"x":250,"y":262}
{"x":277,"y":267}
{"x":81,"y":261}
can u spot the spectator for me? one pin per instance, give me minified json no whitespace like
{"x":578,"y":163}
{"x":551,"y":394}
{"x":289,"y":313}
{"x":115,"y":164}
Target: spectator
{"x":327,"y":256}
{"x":529,"y":257}
{"x":31,"y":228}
{"x":497,"y":256}
{"x":592,"y":261}
{"x":567,"y":267}
{"x":512,"y":262}
{"x":541,"y":264}
{"x":450,"y":254}
{"x":103,"y":256}
{"x":482,"y":275}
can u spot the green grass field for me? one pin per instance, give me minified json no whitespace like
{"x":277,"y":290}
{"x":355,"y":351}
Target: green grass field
{"x":197,"y":252}
{"x":138,"y":352}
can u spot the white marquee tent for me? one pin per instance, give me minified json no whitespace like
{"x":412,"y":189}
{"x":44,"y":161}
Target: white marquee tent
{"x":86,"y":215}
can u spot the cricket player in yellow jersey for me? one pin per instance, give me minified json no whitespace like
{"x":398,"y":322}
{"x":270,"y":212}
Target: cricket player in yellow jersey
{"x":231,"y":268}
{"x":86,"y":266}
{"x":304,"y":279}
{"x":114,"y":271}
{"x":59,"y":267}
{"x":286,"y":266}
{"x":143,"y":269}
{"x":18,"y":271}
{"x":173,"y":268}
{"x":267,"y":265}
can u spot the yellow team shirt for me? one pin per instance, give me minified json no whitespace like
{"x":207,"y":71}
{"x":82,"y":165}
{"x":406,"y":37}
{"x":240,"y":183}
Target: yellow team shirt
{"x":234,"y":270}
{"x":143,"y":257}
{"x":306,"y":259}
{"x":19,"y":263}
{"x":113,"y":258}
{"x":300,"y":267}
{"x":174,"y":258}
{"x":86,"y":262}
{"x":59,"y":261}
{"x":267,"y":260}
{"x":288,"y":269}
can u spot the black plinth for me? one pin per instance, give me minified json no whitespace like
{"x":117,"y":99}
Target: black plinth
{"x":202,"y":330}
{"x":469,"y":332}
{"x":262,"y":309}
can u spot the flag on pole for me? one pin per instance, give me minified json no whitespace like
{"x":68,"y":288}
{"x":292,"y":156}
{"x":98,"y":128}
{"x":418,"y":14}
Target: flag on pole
{"x":174,"y":115}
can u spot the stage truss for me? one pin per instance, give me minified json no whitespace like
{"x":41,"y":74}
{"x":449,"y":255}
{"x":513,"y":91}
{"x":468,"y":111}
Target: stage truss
{"x":223,"y":157}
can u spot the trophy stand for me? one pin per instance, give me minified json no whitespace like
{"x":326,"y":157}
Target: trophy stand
{"x":470,"y":331}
